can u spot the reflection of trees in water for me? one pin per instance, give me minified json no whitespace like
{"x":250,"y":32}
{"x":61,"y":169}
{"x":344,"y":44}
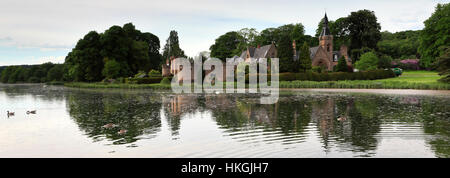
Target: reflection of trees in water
{"x":44,"y":92}
{"x":437,"y":122}
{"x":138,"y":114}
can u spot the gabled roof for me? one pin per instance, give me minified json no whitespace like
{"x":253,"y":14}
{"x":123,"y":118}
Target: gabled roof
{"x":260,"y":52}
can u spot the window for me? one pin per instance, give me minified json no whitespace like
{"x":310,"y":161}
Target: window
{"x":328,"y":48}
{"x":335,"y":58}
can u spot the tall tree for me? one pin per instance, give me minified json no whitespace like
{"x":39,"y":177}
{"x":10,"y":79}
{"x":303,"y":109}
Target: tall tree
{"x":285,"y":54}
{"x":342,"y":65}
{"x":172,"y":47}
{"x":304,"y":58}
{"x":363,"y":29}
{"x":435,"y":34}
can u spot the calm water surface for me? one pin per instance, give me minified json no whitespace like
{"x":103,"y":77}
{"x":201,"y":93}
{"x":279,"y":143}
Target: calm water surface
{"x":69,"y":123}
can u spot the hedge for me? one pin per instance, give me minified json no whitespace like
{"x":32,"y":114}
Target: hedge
{"x":334,"y":76}
{"x":147,"y":80}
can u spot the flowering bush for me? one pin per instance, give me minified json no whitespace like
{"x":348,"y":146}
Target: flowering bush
{"x":409,"y":64}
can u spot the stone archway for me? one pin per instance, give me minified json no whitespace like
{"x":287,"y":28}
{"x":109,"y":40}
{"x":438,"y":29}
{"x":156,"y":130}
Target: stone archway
{"x":324,"y":63}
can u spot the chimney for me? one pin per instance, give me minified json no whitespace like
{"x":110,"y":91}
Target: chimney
{"x":259,"y":46}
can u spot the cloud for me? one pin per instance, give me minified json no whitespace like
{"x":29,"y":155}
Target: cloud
{"x":54,"y":25}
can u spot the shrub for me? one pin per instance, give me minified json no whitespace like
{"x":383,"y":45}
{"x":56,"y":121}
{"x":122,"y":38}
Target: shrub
{"x":148,"y":80}
{"x":336,"y":76}
{"x":368,"y":61}
{"x":165,"y":80}
{"x":409,"y":64}
{"x":154,"y":73}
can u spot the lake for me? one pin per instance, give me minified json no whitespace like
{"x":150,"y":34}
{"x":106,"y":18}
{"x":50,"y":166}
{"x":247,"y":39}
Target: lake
{"x":145,"y":123}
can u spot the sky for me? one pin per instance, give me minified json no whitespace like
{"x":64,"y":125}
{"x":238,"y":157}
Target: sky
{"x":38,"y":31}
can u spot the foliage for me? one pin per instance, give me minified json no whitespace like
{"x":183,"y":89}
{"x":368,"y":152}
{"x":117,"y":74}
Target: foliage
{"x":129,"y":47}
{"x":226,"y":46}
{"x":285,"y":54}
{"x":147,"y":80}
{"x":342,"y":65}
{"x":304,"y":58}
{"x":166,"y":81}
{"x":172,"y":47}
{"x":363,"y":29}
{"x":31,"y":73}
{"x":56,"y":73}
{"x":400,"y":45}
{"x":335,"y":76}
{"x":435,"y":34}
{"x":368,"y":61}
{"x":154,"y":73}
{"x":112,"y":69}
{"x":443,"y":64}
{"x":384,"y":62}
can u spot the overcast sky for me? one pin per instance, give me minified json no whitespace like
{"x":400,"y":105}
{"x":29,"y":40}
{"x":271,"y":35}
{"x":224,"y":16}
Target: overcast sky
{"x":37,"y":31}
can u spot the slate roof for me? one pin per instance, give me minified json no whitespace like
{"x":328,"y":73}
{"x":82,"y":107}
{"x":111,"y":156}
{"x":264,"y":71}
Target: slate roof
{"x":260,"y":52}
{"x":325,"y":29}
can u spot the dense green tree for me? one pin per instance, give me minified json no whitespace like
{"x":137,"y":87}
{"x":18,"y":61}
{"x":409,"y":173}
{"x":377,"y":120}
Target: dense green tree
{"x":304,"y":58}
{"x":132,"y":49}
{"x":384,"y":62}
{"x":400,"y":45}
{"x":342,"y":65}
{"x":368,"y":61}
{"x":285,"y":54}
{"x":112,"y":69}
{"x":363,"y":29}
{"x":443,"y":64}
{"x":56,"y":73}
{"x":435,"y":34}
{"x":172,"y":47}
{"x":225,"y":46}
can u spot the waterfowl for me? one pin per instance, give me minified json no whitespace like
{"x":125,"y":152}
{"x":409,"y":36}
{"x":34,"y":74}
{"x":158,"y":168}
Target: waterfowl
{"x":10,"y":113}
{"x":109,"y":126}
{"x":31,"y":112}
{"x":121,"y":132}
{"x":342,"y":119}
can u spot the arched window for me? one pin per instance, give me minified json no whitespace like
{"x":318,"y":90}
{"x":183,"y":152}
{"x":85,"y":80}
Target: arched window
{"x":328,"y":48}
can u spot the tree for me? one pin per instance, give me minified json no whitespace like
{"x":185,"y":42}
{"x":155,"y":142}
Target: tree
{"x":400,"y":45}
{"x":285,"y":54}
{"x":363,"y":29}
{"x":368,"y":61}
{"x":55,"y":73}
{"x":443,"y":64}
{"x":342,"y":65}
{"x":435,"y":34}
{"x":225,"y":46}
{"x":172,"y":47}
{"x":132,"y":49}
{"x":304,"y":58}
{"x":112,"y":69}
{"x":384,"y":62}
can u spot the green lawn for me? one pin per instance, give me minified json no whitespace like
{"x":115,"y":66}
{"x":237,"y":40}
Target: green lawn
{"x":408,"y":80}
{"x":416,"y":77}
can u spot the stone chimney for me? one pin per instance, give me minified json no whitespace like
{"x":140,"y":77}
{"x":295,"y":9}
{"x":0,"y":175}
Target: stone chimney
{"x":294,"y":47}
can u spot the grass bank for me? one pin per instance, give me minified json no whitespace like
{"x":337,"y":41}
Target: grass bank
{"x":424,"y":80}
{"x":124,"y":86}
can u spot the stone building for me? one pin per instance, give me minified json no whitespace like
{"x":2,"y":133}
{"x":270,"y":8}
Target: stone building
{"x":323,"y":55}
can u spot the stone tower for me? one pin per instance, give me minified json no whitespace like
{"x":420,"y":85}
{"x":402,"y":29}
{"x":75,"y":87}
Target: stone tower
{"x":326,"y":39}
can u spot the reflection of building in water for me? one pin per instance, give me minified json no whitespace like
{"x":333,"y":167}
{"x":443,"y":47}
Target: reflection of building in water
{"x":324,"y":113}
{"x":179,"y":104}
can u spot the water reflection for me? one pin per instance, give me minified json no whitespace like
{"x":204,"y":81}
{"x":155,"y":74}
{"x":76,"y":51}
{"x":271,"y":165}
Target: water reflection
{"x":359,"y":124}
